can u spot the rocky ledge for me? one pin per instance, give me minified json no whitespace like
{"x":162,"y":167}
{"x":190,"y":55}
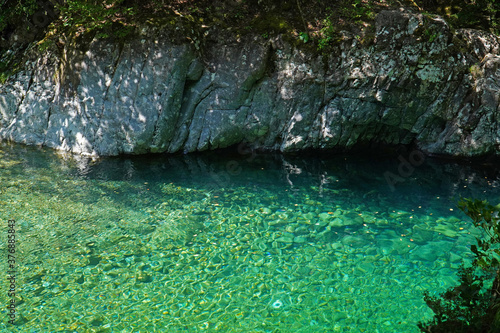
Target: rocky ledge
{"x":417,"y":82}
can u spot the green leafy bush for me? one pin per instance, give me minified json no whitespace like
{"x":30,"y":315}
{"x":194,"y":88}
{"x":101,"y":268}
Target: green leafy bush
{"x":474,"y":305}
{"x":328,"y":33}
{"x":87,"y":15}
{"x":12,"y":11}
{"x":478,"y":14}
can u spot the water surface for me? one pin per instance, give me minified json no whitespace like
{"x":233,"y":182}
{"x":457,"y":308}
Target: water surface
{"x":234,"y":242}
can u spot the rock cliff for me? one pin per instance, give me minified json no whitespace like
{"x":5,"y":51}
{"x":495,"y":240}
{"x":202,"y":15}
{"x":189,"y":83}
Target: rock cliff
{"x":417,"y":82}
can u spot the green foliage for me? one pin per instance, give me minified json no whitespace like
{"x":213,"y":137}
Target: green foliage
{"x":487,"y":217}
{"x":8,"y":66}
{"x":344,"y":16}
{"x":482,"y":14}
{"x":304,"y":36}
{"x":357,"y":11}
{"x":15,"y":11}
{"x":87,"y":16}
{"x":478,"y":14}
{"x":431,"y":35}
{"x":329,"y":32}
{"x":317,"y":23}
{"x":4,"y":72}
{"x":472,"y":306}
{"x":3,"y":77}
{"x":462,"y":308}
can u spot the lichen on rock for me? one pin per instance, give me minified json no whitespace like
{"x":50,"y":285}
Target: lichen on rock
{"x":418,"y":82}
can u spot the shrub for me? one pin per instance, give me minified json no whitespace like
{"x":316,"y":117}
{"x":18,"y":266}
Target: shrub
{"x":474,"y":305}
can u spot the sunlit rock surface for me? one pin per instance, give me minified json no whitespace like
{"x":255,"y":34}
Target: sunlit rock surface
{"x":418,"y":82}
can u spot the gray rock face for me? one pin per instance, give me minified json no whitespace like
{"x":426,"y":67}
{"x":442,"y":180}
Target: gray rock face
{"x":417,"y":82}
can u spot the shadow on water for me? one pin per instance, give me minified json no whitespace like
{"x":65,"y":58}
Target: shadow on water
{"x":367,"y":176}
{"x":381,"y":179}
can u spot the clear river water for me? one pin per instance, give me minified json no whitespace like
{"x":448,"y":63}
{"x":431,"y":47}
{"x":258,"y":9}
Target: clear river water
{"x":232,"y":241}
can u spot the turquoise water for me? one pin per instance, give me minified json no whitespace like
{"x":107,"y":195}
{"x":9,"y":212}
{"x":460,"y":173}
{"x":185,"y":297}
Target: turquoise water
{"x":229,"y":242}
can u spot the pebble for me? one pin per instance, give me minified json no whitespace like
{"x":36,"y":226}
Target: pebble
{"x":336,"y":246}
{"x":324,"y":216}
{"x":421,"y":234}
{"x":336,"y":316}
{"x":455,"y":257}
{"x":299,"y":239}
{"x":302,"y":230}
{"x":354,"y":241}
{"x":447,"y":230}
{"x":309,"y":216}
{"x":424,"y":252}
{"x":265,"y":211}
{"x":336,"y":222}
{"x":284,"y":239}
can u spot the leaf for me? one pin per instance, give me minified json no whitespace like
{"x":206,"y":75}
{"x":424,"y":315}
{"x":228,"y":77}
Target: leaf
{"x":496,"y":256}
{"x":304,"y":36}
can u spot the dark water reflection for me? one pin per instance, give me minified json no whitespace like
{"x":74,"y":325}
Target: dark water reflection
{"x":364,"y":174}
{"x":367,"y":176}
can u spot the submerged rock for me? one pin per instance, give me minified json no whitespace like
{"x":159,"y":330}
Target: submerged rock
{"x":431,"y":251}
